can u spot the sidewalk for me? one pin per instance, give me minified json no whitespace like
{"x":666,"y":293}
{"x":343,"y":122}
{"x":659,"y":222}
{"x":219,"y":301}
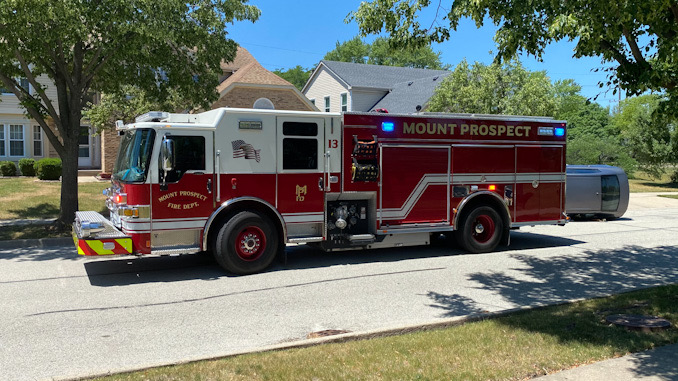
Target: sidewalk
{"x":656,"y":364}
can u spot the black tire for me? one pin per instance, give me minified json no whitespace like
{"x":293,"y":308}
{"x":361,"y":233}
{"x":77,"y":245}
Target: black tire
{"x":480,"y":230}
{"x":247,"y":243}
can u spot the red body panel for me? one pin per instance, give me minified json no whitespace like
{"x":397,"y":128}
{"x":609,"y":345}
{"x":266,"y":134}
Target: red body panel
{"x":187,"y":198}
{"x":300,"y":193}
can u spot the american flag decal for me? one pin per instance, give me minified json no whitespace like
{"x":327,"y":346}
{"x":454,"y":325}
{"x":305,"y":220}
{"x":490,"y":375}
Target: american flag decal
{"x":242,"y":149}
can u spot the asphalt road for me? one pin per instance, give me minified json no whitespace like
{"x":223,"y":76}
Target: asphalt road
{"x":64,"y":316}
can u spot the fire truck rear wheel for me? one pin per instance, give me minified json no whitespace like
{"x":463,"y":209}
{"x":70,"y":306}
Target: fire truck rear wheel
{"x":480,"y":230}
{"x":247,"y":243}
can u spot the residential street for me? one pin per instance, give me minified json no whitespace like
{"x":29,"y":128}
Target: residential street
{"x":66,"y":316}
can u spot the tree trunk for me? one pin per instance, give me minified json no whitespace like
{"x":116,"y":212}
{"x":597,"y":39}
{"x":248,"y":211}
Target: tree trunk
{"x":69,"y":180}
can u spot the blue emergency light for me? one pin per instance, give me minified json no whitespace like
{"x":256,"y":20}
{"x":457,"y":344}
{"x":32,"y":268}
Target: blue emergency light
{"x":560,"y":131}
{"x":387,"y":126}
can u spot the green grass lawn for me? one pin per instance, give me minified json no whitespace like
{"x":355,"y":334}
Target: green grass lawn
{"x":29,"y":198}
{"x":515,"y":347}
{"x":644,"y":183}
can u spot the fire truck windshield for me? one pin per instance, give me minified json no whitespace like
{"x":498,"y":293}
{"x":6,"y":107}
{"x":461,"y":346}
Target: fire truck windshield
{"x":134,"y":155}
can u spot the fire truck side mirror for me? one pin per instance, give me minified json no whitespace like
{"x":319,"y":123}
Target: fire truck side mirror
{"x":167,"y":155}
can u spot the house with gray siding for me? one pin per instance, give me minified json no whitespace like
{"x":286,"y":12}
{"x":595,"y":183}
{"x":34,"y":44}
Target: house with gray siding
{"x":345,"y":86}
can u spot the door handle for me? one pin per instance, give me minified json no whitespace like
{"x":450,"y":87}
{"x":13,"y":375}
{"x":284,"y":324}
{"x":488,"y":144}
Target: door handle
{"x":320,"y":184}
{"x":209,"y":186}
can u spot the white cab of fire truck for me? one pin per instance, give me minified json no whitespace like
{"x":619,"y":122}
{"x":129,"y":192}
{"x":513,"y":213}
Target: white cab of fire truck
{"x":240,"y":183}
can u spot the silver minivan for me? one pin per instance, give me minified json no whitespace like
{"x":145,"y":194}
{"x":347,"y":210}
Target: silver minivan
{"x":596,"y":190}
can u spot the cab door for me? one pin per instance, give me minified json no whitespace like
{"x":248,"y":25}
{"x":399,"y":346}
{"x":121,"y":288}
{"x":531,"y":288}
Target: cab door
{"x":183,"y":199}
{"x":300,"y":169}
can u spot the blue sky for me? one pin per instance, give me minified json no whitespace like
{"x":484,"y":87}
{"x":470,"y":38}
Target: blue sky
{"x":300,"y":32}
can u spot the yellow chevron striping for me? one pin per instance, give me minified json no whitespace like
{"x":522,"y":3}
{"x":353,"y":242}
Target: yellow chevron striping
{"x":126,"y":243}
{"x":98,"y":247}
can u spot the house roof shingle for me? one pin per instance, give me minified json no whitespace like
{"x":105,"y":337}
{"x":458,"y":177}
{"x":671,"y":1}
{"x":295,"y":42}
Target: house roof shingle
{"x":242,"y":58}
{"x":246,"y":69}
{"x":404,"y":97}
{"x":376,"y":76}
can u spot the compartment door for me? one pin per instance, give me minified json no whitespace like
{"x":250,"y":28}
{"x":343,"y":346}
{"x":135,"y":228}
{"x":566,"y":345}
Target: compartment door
{"x":414,"y":186}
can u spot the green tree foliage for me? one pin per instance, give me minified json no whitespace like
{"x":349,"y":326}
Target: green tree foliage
{"x":354,"y":50}
{"x":101,"y":46}
{"x":651,"y":137}
{"x":380,"y":52}
{"x":129,"y":103}
{"x":583,"y":116}
{"x":595,"y":149}
{"x":298,"y":76}
{"x":590,"y":138}
{"x":636,"y":39}
{"x":495,"y":89}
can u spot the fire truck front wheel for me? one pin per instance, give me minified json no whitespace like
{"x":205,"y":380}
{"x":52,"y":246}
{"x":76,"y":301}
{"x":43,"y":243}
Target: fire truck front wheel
{"x":247,"y":243}
{"x":480,"y":230}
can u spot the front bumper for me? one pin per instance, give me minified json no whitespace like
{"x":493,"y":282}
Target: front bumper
{"x":93,"y":234}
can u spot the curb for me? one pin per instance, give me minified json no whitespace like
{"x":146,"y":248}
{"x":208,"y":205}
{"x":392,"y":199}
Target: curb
{"x":40,"y":242}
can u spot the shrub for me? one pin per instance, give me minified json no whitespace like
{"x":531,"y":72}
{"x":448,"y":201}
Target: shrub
{"x":7,"y":168}
{"x":48,"y":169}
{"x":27,"y":167}
{"x":674,"y":177}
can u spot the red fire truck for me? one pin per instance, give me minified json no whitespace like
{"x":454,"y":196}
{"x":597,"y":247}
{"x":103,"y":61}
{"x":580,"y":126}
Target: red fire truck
{"x":243,"y":183}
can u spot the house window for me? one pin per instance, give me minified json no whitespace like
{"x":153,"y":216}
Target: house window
{"x":312,"y":101}
{"x":327,"y":104}
{"x":344,"y":102}
{"x":23,"y":82}
{"x":16,"y":140}
{"x":37,"y":141}
{"x":83,"y":142}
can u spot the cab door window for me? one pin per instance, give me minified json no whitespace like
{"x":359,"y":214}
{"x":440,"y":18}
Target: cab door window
{"x":190,"y":156}
{"x":300,"y":145}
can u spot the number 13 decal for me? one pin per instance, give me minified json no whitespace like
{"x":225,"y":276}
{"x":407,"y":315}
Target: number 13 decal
{"x":333,"y":143}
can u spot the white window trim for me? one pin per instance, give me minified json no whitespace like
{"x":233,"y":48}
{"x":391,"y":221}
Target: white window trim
{"x":41,"y":140}
{"x":328,"y":104}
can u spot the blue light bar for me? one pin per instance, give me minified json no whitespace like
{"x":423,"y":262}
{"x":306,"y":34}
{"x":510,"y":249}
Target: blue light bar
{"x":560,"y":131}
{"x":387,"y":126}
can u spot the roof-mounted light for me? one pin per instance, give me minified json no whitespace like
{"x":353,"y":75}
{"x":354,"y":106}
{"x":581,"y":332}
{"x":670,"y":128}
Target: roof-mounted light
{"x":559,"y":131}
{"x":152,"y":116}
{"x":387,"y":126}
